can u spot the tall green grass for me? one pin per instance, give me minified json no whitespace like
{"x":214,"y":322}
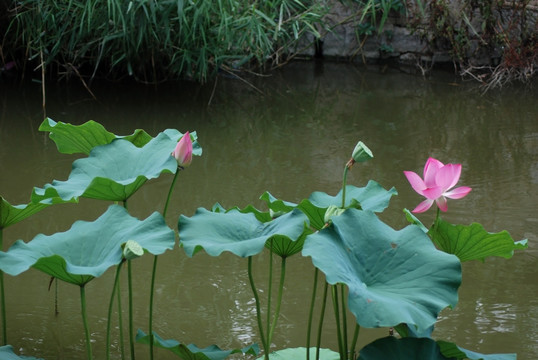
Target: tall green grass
{"x":154,"y":40}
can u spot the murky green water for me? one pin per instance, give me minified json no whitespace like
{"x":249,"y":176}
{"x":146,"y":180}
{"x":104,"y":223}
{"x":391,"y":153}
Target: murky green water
{"x":291,"y":140}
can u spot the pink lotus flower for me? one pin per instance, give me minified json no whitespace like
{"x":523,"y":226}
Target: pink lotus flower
{"x":438,"y":180}
{"x":183,"y":151}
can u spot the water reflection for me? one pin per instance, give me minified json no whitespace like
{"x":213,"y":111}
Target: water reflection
{"x":292,"y":140}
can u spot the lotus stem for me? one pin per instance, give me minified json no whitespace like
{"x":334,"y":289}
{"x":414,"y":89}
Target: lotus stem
{"x":355,"y":337}
{"x":155,"y":257}
{"x":344,"y":181}
{"x":311,"y":313}
{"x":152,"y":290}
{"x":131,"y":327}
{"x":2,"y":294}
{"x":170,"y":192}
{"x":85,"y":322}
{"x":322,"y":315}
{"x":110,"y":305}
{"x":344,"y":313}
{"x":130,"y":295}
{"x":120,"y":319}
{"x":341,"y":350}
{"x":279,"y":300}
{"x":269,"y":292}
{"x":258,"y":312}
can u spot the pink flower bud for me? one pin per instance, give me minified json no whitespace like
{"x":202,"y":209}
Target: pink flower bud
{"x":183,"y":151}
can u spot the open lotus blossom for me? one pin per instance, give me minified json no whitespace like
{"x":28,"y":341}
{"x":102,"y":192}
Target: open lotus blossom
{"x":183,"y":151}
{"x":438,"y":180}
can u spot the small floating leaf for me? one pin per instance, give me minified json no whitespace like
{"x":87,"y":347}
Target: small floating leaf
{"x":393,"y":276}
{"x":88,"y":249}
{"x":239,"y":233}
{"x":472,"y":242}
{"x":300,"y":353}
{"x":191,"y":351}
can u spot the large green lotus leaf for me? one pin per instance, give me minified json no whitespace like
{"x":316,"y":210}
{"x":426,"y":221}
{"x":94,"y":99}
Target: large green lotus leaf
{"x":12,"y":214}
{"x":300,"y":353}
{"x":472,"y":242}
{"x":88,"y":249}
{"x":373,"y":197}
{"x":6,"y":353}
{"x":452,"y":351}
{"x":239,"y":233}
{"x":390,"y":348}
{"x":393,"y":276}
{"x":191,"y":351}
{"x":72,"y":139}
{"x":113,"y":171}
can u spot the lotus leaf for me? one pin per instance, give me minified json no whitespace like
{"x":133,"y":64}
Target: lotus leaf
{"x":72,"y":139}
{"x":472,"y":242}
{"x":113,"y":171}
{"x":453,"y":351}
{"x":88,"y":249}
{"x":191,"y":351}
{"x":6,"y":353}
{"x":390,"y":348}
{"x":12,"y":214}
{"x":393,"y":276}
{"x":300,"y":353}
{"x":239,"y":233}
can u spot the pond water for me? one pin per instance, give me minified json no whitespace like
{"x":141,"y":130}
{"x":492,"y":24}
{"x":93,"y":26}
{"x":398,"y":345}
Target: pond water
{"x":291,"y":134}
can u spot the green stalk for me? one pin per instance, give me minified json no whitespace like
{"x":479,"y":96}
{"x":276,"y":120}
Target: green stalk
{"x":131,"y":328}
{"x":151,"y":307}
{"x":130,"y":295}
{"x":152,"y":289}
{"x":344,"y":180}
{"x":279,"y":300}
{"x":334,"y":293}
{"x":344,"y":319}
{"x":311,"y":313}
{"x":110,"y":305}
{"x":355,"y":337}
{"x":120,"y":318}
{"x":2,"y":293}
{"x":258,"y":312}
{"x":269,"y":292}
{"x":85,"y":322}
{"x":322,"y":315}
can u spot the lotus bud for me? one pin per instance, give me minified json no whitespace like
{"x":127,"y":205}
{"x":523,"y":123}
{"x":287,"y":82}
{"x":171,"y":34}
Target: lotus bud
{"x":132,"y":250}
{"x":361,"y":153}
{"x":183,"y":151}
{"x":331,"y":211}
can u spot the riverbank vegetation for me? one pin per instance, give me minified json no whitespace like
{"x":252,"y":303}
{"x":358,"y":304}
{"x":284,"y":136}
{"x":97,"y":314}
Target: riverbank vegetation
{"x":153,"y":42}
